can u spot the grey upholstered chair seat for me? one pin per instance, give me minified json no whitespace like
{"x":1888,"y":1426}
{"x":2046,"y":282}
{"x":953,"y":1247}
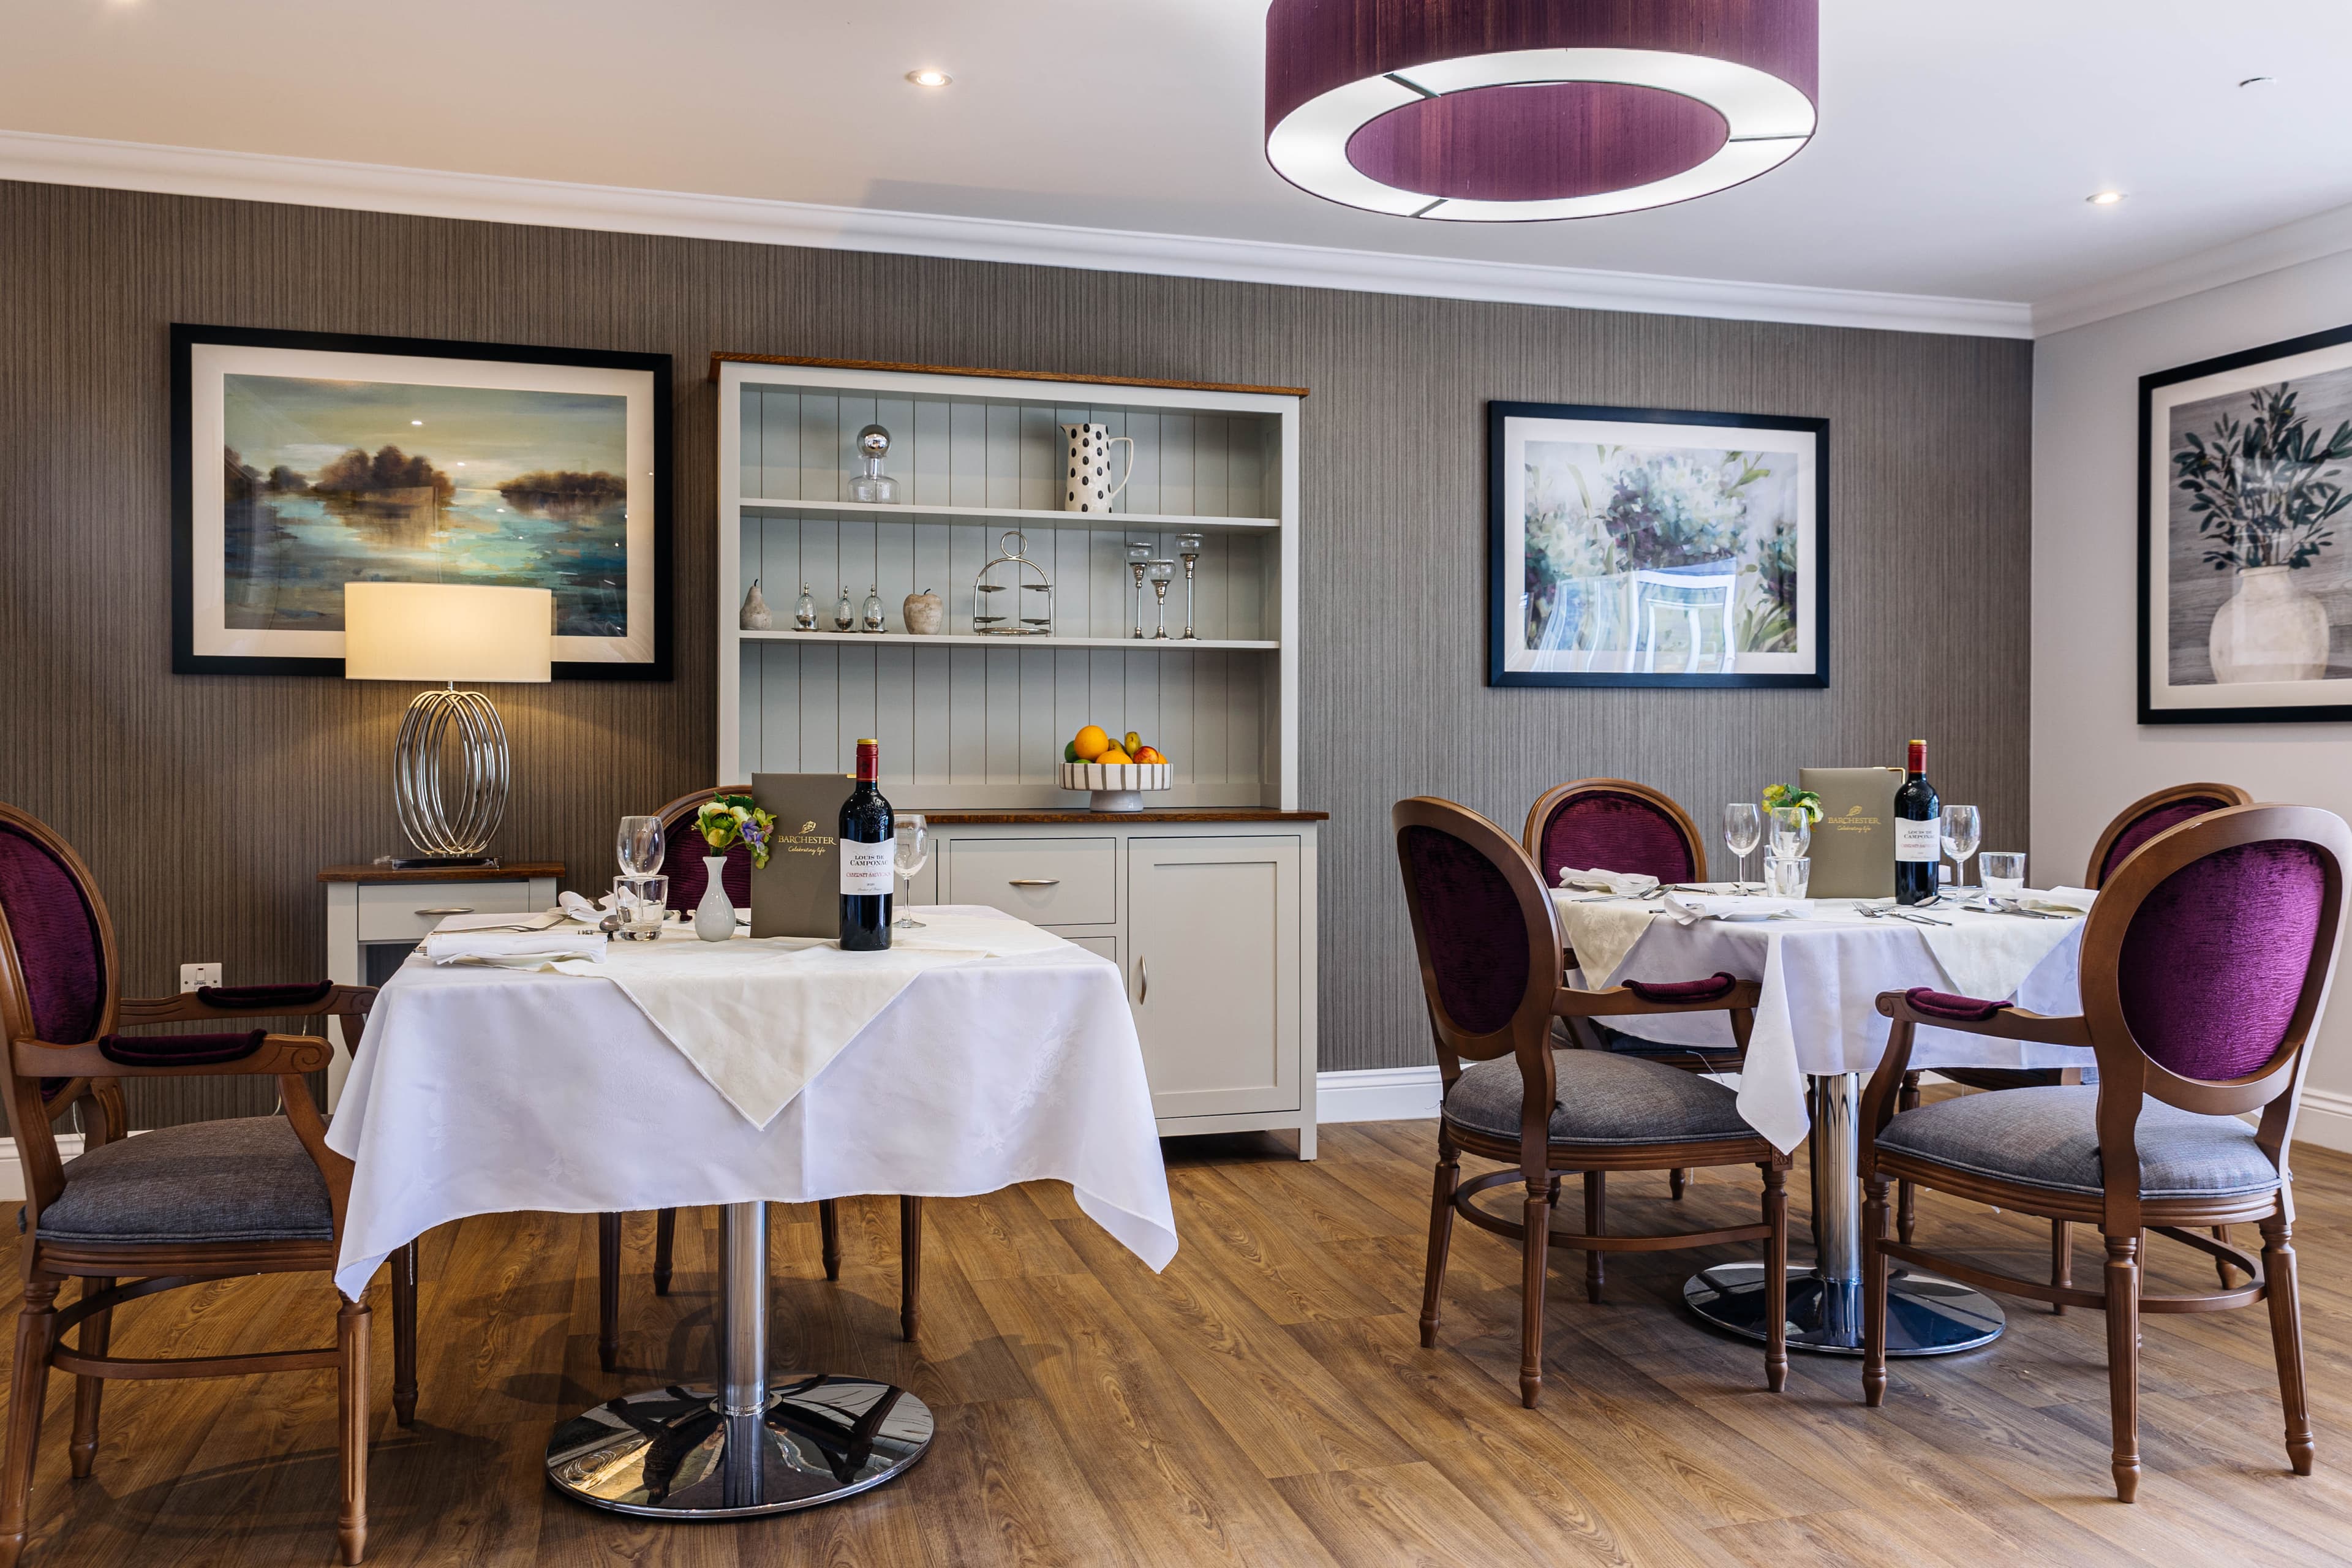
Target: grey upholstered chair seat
{"x":249,"y":1179}
{"x":2048,"y":1138}
{"x":1604,"y":1097}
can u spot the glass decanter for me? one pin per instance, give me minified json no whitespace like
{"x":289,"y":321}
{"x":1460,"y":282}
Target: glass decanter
{"x":870,"y":483}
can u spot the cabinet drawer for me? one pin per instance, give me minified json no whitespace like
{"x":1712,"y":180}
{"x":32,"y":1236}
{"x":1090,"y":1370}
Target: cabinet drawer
{"x":407,"y":911}
{"x":1046,"y":882}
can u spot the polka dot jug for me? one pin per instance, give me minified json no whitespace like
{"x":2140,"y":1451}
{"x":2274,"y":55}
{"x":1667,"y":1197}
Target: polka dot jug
{"x":1086,"y":467}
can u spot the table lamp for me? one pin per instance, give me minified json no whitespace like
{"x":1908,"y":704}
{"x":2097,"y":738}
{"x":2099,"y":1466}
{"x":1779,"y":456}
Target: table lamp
{"x":449,"y":804}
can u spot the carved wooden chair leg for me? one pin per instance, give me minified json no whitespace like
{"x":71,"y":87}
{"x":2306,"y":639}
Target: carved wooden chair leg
{"x":1596,"y":1223}
{"x":1873,"y":1292}
{"x":352,"y":1406}
{"x":28,"y":1390}
{"x":2221,"y":1235}
{"x":2062,"y":1260}
{"x":664,"y":1245}
{"x":1776,"y":1279}
{"x":1536,"y":1257}
{"x":608,"y":1290}
{"x":81,"y":1454}
{"x":828,"y":1224}
{"x":1440,"y":1235}
{"x":2123,"y":1359}
{"x":910,"y":1266}
{"x":1907,"y":1214}
{"x":2286,"y":1341}
{"x":1675,"y":1181}
{"x":404,"y":1335}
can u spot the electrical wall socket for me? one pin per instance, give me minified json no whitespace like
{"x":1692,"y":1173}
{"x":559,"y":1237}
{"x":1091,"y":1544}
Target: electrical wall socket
{"x":193,"y":976}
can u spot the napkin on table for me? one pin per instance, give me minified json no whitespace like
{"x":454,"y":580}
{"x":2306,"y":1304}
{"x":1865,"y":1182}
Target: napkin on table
{"x":1628,"y":884}
{"x":2059,"y":900}
{"x":514,"y":947}
{"x":1689,"y":908}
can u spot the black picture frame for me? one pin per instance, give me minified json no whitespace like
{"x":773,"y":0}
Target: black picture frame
{"x":2150,"y":708}
{"x":187,"y":338}
{"x":1502,"y":592}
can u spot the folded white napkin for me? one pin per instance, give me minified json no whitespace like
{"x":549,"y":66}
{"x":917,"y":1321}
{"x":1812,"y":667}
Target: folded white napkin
{"x":515,"y":947}
{"x":1630,"y":884}
{"x":2059,"y":900}
{"x":1688,"y":908}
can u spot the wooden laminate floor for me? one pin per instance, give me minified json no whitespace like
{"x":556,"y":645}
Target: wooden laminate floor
{"x":1264,"y":1402}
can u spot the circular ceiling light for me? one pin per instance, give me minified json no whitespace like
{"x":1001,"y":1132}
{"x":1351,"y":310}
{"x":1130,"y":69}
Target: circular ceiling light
{"x":1513,"y":111}
{"x":2104,"y":198}
{"x":930,"y":78}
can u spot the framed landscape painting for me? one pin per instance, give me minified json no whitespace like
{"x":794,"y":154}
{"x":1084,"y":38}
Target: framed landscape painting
{"x":306,"y":461}
{"x":1654,"y":547}
{"x":2245,"y":536}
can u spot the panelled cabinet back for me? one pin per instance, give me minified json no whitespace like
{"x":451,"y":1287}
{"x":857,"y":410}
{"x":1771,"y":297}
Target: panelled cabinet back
{"x":1207,"y":902}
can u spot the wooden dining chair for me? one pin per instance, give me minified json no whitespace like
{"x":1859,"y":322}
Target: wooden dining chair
{"x":2205,"y":962}
{"x":688,"y":878}
{"x":1493,"y":973}
{"x":2134,"y":825}
{"x":189,"y":1204}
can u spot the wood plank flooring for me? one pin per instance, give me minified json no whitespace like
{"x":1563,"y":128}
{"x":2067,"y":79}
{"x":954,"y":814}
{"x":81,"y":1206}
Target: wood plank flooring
{"x":1264,"y":1402}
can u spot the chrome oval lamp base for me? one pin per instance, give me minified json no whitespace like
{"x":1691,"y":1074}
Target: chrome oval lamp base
{"x":1924,"y":1315}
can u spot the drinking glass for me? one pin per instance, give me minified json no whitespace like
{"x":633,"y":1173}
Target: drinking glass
{"x":910,"y":851}
{"x":642,"y":903}
{"x":2002,"y":871}
{"x":1963,"y":830}
{"x":1743,"y":830}
{"x":1792,"y":832}
{"x":1788,"y":876}
{"x":638,"y":846}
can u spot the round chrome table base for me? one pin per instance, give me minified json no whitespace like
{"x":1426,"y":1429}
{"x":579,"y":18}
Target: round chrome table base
{"x":672,"y":1453}
{"x":1924,"y":1315}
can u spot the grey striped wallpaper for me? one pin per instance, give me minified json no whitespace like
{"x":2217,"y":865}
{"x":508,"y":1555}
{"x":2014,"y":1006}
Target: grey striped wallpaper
{"x":206,"y":804}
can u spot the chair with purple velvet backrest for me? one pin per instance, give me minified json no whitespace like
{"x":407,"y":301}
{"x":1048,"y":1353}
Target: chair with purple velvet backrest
{"x":2205,"y":964}
{"x":1494,"y":975}
{"x":195,"y":1202}
{"x":688,"y":877}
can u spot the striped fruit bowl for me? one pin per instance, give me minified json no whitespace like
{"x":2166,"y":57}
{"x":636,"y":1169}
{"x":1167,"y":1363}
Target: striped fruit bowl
{"x":1117,"y":787}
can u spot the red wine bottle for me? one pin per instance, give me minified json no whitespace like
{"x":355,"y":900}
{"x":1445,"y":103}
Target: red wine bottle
{"x":865,"y":837}
{"x":1918,"y":829}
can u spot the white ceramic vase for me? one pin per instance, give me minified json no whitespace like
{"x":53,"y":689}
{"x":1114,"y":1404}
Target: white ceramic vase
{"x":2269,"y":630}
{"x":714,"y":917}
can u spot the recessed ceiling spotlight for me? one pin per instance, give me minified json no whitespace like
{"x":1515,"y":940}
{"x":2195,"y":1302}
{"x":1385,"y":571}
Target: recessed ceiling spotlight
{"x":928,"y":78}
{"x":2105,"y":198}
{"x":2259,"y":81}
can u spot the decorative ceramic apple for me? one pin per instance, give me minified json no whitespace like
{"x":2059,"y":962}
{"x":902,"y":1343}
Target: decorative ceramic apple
{"x":924,"y":612}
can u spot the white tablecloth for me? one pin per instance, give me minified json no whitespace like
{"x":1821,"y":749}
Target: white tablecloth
{"x":488,"y":1090}
{"x":1822,"y":977}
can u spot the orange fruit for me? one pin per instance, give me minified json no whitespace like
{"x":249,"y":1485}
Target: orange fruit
{"x":1091,"y":743}
{"x":1114,"y":757}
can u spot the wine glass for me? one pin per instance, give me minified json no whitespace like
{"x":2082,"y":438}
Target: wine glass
{"x":910,"y":851}
{"x":1963,"y":830}
{"x":1743,"y":830}
{"x":1792,"y":832}
{"x":638,"y":846}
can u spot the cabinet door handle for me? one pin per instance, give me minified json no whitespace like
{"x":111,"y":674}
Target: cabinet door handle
{"x":1033,"y":882}
{"x":451,"y":910}
{"x":1143,"y":973}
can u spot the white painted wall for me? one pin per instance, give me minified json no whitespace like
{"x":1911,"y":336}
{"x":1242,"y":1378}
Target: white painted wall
{"x":2090,"y":755}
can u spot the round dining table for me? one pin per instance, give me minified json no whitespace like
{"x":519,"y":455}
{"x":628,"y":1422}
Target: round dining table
{"x":1817,"y":1033}
{"x":985,"y":1053}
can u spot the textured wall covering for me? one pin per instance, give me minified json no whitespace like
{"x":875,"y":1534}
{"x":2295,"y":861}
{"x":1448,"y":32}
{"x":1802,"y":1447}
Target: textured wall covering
{"x":206,"y":805}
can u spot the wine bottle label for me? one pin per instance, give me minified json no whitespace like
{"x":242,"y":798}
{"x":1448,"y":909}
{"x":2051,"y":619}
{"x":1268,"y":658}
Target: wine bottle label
{"x":864,"y":867}
{"x":1913,"y":841}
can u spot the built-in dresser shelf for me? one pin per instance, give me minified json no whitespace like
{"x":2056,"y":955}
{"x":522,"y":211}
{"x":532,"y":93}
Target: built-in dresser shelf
{"x":981,"y":640}
{"x":1112,"y":521}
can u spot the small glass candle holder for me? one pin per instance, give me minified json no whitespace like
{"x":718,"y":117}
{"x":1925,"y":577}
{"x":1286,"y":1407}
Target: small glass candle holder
{"x":1161,"y":574}
{"x":643,"y":904}
{"x":1187,"y":549}
{"x":1787,"y":878}
{"x":1139,"y":559}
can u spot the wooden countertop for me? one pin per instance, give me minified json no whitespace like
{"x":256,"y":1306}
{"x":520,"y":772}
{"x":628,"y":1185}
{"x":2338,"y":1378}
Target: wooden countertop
{"x":1176,"y":814}
{"x":511,"y":872}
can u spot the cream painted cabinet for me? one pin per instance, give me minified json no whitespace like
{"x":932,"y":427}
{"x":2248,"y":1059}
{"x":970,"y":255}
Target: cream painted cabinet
{"x":1213,"y":972}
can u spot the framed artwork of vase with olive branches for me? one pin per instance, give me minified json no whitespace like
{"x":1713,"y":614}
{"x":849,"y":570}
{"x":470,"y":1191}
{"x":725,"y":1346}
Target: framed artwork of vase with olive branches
{"x":2245,"y":536}
{"x":1656,"y":547}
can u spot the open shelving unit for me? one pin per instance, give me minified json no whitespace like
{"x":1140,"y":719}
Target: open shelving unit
{"x":975,"y":720}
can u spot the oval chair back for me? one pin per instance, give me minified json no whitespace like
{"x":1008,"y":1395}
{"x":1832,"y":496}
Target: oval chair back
{"x":2205,"y":962}
{"x":57,"y":979}
{"x":684,"y":852}
{"x":1612,"y":825}
{"x":2151,"y":814}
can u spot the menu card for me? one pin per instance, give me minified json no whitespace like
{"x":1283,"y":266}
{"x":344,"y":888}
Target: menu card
{"x":798,"y":891}
{"x":1853,"y":843}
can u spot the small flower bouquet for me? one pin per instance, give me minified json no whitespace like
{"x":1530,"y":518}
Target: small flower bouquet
{"x":1784,"y":795}
{"x":727,"y":820}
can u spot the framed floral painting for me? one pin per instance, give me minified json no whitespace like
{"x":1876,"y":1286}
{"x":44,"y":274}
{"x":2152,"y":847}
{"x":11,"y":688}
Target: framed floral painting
{"x":2245,"y":536}
{"x":1656,"y":547}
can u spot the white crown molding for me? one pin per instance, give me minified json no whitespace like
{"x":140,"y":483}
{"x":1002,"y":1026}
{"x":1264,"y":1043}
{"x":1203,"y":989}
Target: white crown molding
{"x":553,"y":204}
{"x":2271,"y":250}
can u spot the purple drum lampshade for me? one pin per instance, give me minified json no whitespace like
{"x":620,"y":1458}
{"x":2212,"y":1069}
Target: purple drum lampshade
{"x":1517,"y":110}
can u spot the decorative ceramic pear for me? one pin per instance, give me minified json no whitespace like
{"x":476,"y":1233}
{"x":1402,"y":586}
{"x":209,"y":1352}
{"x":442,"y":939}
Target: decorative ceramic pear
{"x":757,"y":617}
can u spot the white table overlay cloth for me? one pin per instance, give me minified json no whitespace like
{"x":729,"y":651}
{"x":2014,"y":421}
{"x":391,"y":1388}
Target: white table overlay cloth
{"x":485,"y":1090}
{"x":1821,"y":979}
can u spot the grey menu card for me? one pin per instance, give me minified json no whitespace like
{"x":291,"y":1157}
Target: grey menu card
{"x":1853,"y":843}
{"x":798,"y":891}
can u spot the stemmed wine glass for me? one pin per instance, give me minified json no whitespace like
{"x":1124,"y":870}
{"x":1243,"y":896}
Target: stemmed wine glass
{"x":1743,"y":830}
{"x":1792,"y":832}
{"x":1963,"y":830}
{"x":910,"y":851}
{"x":638,"y":846}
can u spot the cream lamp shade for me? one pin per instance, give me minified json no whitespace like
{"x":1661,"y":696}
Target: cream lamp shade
{"x":446,"y":632}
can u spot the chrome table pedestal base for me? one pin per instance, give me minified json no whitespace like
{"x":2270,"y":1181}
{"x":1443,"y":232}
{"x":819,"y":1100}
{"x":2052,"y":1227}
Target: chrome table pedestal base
{"x":746,"y":1447}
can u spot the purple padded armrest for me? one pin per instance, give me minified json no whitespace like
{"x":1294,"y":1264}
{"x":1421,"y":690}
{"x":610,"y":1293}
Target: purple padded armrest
{"x":1944,"y":1005}
{"x":248,"y":996}
{"x":180,"y":1051}
{"x":1707,"y":990}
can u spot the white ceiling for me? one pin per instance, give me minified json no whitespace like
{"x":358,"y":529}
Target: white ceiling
{"x":1957,"y":141}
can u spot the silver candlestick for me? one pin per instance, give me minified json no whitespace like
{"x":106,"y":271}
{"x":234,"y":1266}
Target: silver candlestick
{"x":1188,"y":547}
